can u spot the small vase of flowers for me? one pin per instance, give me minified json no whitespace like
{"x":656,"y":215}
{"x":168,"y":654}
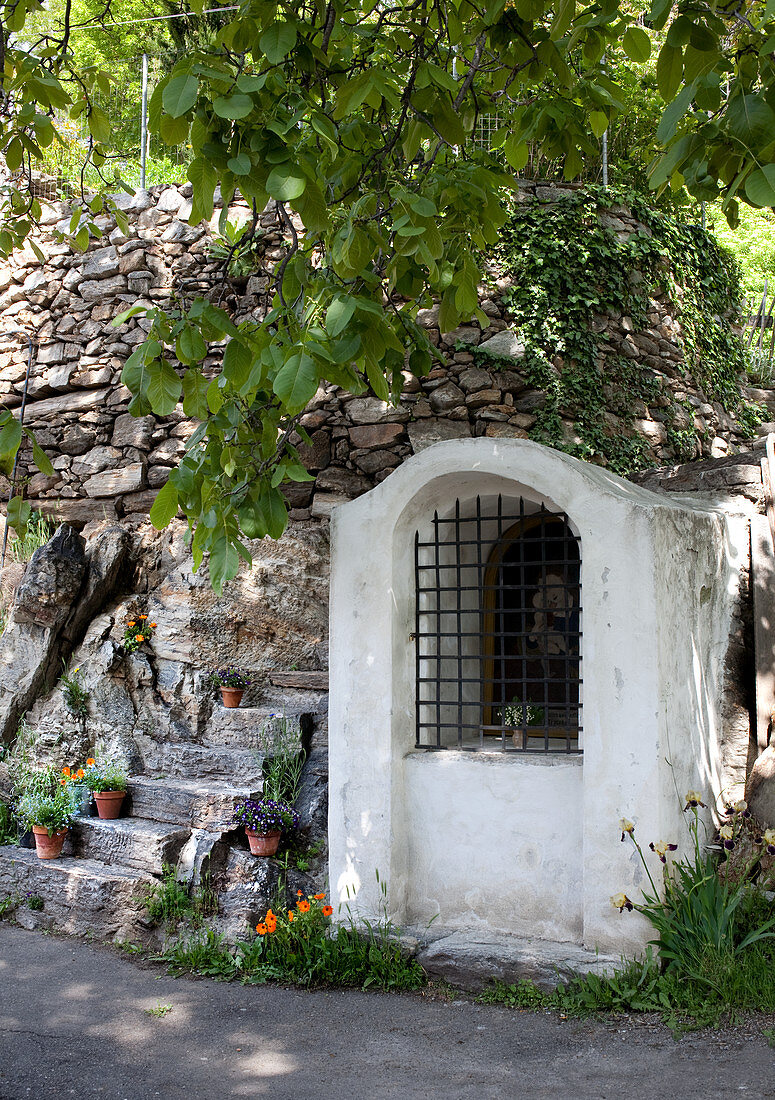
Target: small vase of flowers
{"x":48,"y":816}
{"x":107,"y":779}
{"x":232,"y":682}
{"x":264,"y":821}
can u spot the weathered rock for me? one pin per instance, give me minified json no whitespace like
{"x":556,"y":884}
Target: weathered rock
{"x":115,"y":482}
{"x":503,"y":345}
{"x":424,"y":433}
{"x":473,"y":961}
{"x":127,"y":842}
{"x":336,"y":480}
{"x":185,"y":801}
{"x":760,"y":790}
{"x":446,"y":397}
{"x":373,"y":436}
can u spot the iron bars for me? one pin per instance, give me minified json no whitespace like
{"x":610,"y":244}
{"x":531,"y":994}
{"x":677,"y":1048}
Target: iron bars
{"x":498,"y":630}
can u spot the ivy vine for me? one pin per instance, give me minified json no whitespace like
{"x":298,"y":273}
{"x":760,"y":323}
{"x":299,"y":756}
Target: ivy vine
{"x":568,"y":271}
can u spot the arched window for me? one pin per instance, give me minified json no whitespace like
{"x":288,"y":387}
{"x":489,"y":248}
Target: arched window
{"x":498,"y":631}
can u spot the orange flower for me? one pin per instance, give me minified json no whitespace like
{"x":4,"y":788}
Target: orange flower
{"x":318,"y":897}
{"x":269,"y":915}
{"x":63,"y":782}
{"x":65,"y":771}
{"x":326,"y":910}
{"x":81,"y":773}
{"x":142,"y":616}
{"x":299,"y":893}
{"x":132,"y":623}
{"x":290,"y":915}
{"x":271,"y":926}
{"x":139,"y":637}
{"x":303,"y":907}
{"x":153,"y":626}
{"x":90,"y":762}
{"x":261,"y":929}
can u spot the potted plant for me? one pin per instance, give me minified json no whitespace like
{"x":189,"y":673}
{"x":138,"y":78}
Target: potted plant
{"x":107,"y":780}
{"x":75,"y":783}
{"x":232,"y":682}
{"x":264,"y":820}
{"x":49,"y":817}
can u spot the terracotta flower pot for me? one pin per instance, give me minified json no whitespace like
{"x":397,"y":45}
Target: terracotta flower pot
{"x":48,"y":847}
{"x":232,"y":697}
{"x":263,"y":844}
{"x":109,"y":804}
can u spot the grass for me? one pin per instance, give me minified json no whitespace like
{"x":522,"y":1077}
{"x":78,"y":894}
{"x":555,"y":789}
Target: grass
{"x":170,"y":902}
{"x":724,"y":986}
{"x":39,"y":531}
{"x":300,"y":947}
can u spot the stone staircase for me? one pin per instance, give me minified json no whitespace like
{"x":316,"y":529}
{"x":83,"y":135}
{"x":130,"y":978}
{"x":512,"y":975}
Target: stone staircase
{"x":99,"y":884}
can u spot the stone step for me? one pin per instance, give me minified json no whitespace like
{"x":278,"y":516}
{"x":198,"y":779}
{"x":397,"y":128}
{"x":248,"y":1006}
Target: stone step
{"x":127,"y":842}
{"x":206,"y":761}
{"x":254,"y":727}
{"x":197,"y":804}
{"x":79,"y":895}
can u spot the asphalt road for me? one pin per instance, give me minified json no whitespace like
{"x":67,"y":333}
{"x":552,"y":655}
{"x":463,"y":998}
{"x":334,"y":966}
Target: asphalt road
{"x":75,"y":1022}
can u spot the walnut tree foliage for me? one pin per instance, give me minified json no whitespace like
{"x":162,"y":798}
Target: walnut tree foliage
{"x":354,"y":118}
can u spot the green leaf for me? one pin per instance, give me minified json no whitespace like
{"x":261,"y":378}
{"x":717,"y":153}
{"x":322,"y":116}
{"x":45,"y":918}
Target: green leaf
{"x":224,"y":562}
{"x":517,"y":152}
{"x":173,"y":131}
{"x":598,"y":120}
{"x":277,"y":42}
{"x":164,"y":387}
{"x":18,"y":515}
{"x":760,"y":186}
{"x":673,"y":113}
{"x":41,"y":459}
{"x":339,"y":314}
{"x":202,"y":175}
{"x":240,"y":165}
{"x":126,"y":314}
{"x":180,"y":94}
{"x":637,"y":44}
{"x":296,"y":382}
{"x":286,"y":182}
{"x":237,"y":361}
{"x":195,"y":395}
{"x":189,"y":346}
{"x":233,"y":106}
{"x":10,"y":438}
{"x":165,"y":507}
{"x":99,"y":125}
{"x":669,"y":70}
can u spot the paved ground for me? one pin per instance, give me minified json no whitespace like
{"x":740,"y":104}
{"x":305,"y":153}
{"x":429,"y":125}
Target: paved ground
{"x":74,"y":1022}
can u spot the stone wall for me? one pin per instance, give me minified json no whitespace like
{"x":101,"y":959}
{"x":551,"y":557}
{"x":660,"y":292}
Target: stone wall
{"x":57,"y":316}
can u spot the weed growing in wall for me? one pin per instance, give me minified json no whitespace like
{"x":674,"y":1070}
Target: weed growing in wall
{"x":568,"y":271}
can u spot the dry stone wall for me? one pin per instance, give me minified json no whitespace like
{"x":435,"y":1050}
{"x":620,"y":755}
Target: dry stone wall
{"x":57,"y":318}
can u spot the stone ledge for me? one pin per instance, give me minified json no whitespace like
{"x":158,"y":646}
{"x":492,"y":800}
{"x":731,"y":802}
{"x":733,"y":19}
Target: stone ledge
{"x":472,"y":960}
{"x":303,"y":681}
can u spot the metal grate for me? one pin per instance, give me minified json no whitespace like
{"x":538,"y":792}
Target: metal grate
{"x":498,"y":631}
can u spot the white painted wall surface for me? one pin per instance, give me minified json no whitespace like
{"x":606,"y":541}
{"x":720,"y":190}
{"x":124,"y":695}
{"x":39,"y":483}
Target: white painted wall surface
{"x":655,"y":611}
{"x":495,"y":842}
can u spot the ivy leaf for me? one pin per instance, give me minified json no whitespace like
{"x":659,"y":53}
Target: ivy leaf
{"x":165,"y":507}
